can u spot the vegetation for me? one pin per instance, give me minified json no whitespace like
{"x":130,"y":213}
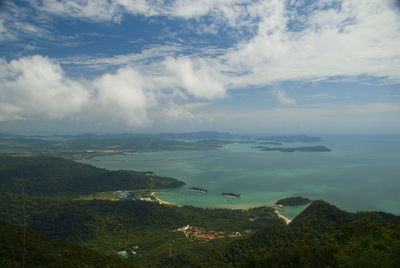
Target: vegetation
{"x":56,"y":176}
{"x":295,"y":149}
{"x":90,"y":145}
{"x":41,"y":251}
{"x":198,"y":189}
{"x":109,"y":226}
{"x":293,"y":138}
{"x":329,"y":237}
{"x":321,"y":236}
{"x":231,"y":195}
{"x":293,"y":201}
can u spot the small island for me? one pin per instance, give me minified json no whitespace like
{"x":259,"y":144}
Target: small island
{"x":293,"y":201}
{"x":231,"y":195}
{"x":295,"y":149}
{"x":198,"y":189}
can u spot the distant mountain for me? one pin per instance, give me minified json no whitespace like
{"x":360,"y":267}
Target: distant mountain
{"x":291,"y":138}
{"x":90,"y":145}
{"x":200,"y":135}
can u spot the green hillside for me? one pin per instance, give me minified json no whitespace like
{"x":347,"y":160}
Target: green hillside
{"x":108,"y":226}
{"x":321,"y":236}
{"x":57,"y":176}
{"x":41,"y":251}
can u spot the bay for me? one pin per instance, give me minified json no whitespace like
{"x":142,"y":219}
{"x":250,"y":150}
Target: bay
{"x":360,"y":173}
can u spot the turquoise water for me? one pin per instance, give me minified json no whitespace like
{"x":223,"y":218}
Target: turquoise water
{"x":361,"y":173}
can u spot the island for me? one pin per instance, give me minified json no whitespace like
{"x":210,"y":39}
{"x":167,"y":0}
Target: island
{"x":295,"y":149}
{"x":293,"y":138}
{"x":293,"y":201}
{"x":198,"y":189}
{"x":231,"y":195}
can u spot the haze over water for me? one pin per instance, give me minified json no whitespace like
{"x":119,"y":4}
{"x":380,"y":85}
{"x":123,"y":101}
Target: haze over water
{"x":360,"y":173}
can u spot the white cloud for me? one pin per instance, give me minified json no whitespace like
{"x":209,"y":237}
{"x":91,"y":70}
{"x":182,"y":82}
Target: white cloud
{"x":106,"y":10}
{"x":281,"y":97}
{"x":36,"y":87}
{"x":357,"y":39}
{"x":16,"y":23}
{"x":98,"y":10}
{"x":196,"y":78}
{"x":154,"y":53}
{"x":123,"y":96}
{"x":332,"y":39}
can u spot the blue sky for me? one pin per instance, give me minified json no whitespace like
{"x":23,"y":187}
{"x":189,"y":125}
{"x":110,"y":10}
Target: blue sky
{"x":295,"y":66}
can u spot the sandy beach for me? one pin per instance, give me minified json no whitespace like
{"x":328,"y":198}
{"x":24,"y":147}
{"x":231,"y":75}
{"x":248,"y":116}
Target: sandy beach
{"x":153,"y":194}
{"x":236,"y":206}
{"x":287,"y":220}
{"x":162,"y":202}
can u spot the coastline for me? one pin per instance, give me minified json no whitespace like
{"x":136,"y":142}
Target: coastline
{"x":287,"y":220}
{"x":162,"y":202}
{"x":237,"y":206}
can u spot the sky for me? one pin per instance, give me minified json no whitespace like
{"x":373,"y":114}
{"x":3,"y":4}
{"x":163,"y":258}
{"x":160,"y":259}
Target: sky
{"x":248,"y":66}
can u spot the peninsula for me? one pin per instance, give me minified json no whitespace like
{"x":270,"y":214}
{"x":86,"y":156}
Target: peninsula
{"x":295,"y":149}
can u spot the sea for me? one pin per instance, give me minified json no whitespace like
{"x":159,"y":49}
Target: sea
{"x":361,"y":173}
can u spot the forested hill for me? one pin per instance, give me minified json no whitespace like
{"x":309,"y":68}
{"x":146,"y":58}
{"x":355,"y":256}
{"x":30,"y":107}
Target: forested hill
{"x":41,"y":251}
{"x":109,"y":226}
{"x":321,"y":236}
{"x":57,"y":176}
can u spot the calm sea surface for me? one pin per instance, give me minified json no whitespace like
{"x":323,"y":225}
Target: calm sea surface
{"x":361,"y":173}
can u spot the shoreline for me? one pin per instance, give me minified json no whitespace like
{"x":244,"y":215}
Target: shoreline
{"x":162,"y":202}
{"x":286,"y":219}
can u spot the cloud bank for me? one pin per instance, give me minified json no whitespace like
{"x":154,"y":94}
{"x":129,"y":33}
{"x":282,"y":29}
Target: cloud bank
{"x":284,"y":41}
{"x":35,"y":87}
